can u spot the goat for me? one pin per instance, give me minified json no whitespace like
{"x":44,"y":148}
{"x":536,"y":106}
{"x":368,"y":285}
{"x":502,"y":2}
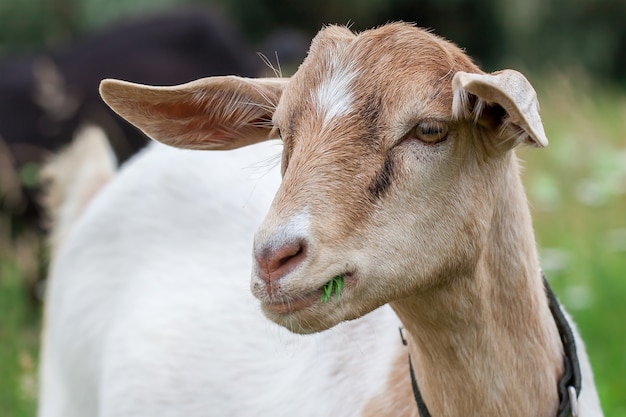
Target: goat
{"x":399,"y":181}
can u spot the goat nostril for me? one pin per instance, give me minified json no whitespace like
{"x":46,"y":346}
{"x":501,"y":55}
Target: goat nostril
{"x":273,"y":264}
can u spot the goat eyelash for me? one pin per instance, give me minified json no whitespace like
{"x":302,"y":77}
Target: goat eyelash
{"x":429,"y":131}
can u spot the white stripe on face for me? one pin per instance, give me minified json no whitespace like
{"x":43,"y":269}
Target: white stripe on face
{"x":334,"y":97}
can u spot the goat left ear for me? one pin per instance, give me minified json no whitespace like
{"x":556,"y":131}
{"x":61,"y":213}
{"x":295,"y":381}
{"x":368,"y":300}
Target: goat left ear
{"x":507,"y":89}
{"x":211,"y":113}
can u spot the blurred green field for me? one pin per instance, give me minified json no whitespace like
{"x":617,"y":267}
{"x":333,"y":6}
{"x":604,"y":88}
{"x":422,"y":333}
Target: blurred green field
{"x":577,"y":188}
{"x":19,"y":342}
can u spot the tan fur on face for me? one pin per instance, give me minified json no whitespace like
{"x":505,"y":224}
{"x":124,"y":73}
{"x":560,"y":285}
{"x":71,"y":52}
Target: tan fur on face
{"x":352,"y":150}
{"x":355,"y":173}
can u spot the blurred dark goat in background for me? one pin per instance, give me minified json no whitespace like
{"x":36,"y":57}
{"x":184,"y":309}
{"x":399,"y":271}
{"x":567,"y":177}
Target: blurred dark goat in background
{"x":47,"y":96}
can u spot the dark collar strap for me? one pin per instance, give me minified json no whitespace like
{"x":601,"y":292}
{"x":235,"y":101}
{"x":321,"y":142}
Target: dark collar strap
{"x":570,"y":383}
{"x":421,"y":405}
{"x":571,"y":376}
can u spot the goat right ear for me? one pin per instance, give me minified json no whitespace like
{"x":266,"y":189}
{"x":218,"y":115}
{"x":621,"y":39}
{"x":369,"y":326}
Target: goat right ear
{"x":211,"y":113}
{"x":511,"y":91}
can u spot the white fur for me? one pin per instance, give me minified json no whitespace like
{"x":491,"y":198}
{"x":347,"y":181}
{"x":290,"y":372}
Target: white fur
{"x":149,"y":311}
{"x":334,"y":98}
{"x":294,"y":228}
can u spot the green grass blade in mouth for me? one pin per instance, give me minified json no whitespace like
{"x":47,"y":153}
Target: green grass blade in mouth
{"x":335,"y":285}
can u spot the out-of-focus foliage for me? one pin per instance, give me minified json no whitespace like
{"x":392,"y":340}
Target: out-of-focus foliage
{"x":537,"y":34}
{"x":540,"y":35}
{"x":32,"y":24}
{"x":29,"y":23}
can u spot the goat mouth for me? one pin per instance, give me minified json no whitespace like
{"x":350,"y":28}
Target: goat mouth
{"x":327,"y":293}
{"x":292,"y":305}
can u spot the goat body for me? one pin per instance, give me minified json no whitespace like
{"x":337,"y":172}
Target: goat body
{"x":399,"y":178}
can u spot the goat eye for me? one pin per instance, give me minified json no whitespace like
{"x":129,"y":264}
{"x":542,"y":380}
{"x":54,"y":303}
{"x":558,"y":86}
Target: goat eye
{"x":430,"y":131}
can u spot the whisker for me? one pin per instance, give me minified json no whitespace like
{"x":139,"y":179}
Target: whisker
{"x":277,"y":71}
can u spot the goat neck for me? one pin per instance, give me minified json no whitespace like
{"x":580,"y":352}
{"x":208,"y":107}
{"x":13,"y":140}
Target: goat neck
{"x":485,"y":343}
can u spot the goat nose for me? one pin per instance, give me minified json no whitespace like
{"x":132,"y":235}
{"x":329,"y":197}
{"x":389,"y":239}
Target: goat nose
{"x":274,"y":263}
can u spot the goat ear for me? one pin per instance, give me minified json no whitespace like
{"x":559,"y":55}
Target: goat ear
{"x":210,"y":113}
{"x":476,"y":94}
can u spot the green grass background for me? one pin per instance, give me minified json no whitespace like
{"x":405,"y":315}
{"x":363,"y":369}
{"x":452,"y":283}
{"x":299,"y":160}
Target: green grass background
{"x":577,"y":188}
